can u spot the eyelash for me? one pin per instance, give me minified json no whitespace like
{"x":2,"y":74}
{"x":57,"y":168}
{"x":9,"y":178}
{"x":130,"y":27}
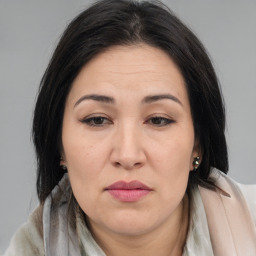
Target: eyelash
{"x":167,"y":121}
{"x":91,"y":121}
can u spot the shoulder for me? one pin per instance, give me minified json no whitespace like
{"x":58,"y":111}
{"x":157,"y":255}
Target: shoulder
{"x":230,"y":212}
{"x":238,"y":190}
{"x":28,"y":240}
{"x":249,"y":193}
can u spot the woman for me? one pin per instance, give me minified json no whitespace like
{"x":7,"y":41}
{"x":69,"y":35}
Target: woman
{"x":129,"y":133}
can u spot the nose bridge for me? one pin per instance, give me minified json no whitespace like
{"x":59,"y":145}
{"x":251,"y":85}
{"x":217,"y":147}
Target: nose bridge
{"x":128,"y":148}
{"x":128,"y":142}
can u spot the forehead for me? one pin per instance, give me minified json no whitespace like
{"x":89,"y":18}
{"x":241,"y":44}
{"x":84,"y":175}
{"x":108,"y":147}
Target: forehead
{"x":137,"y":68}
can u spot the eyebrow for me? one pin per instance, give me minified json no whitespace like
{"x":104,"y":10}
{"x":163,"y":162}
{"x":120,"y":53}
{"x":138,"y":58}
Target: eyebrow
{"x":111,"y":100}
{"x":96,"y":97}
{"x":154,"y":98}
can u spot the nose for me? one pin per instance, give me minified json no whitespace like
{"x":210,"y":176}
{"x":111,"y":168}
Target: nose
{"x":127,"y":151}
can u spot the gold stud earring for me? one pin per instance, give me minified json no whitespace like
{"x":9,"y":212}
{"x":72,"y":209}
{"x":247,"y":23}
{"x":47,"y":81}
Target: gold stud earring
{"x":196,"y":162}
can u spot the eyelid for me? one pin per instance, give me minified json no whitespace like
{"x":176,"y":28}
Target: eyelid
{"x":92,"y":117}
{"x":160,"y":115}
{"x":168,"y":120}
{"x":90,"y":120}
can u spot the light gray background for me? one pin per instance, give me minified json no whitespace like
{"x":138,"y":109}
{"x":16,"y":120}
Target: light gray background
{"x":29,"y":31}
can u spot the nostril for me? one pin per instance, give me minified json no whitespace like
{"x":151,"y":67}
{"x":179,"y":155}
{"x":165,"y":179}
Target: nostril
{"x":128,"y":166}
{"x":117,"y":164}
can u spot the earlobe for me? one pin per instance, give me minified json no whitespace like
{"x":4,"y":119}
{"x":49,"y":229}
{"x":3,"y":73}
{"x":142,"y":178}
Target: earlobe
{"x":63,"y":164}
{"x":64,"y":167}
{"x":196,"y":158}
{"x":196,"y":163}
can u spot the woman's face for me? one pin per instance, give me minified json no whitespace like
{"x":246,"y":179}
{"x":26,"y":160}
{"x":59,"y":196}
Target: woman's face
{"x":128,"y":139}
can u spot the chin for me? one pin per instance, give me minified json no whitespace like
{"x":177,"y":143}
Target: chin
{"x":131,"y":230}
{"x":131,"y":224}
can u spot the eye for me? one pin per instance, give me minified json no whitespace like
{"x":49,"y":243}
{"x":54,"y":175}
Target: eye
{"x":97,"y":121}
{"x":160,"y":121}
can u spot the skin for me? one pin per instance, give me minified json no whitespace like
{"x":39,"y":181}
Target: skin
{"x":130,"y":139}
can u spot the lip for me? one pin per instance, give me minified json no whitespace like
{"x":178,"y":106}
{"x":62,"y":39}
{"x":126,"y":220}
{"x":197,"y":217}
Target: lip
{"x":128,"y":191}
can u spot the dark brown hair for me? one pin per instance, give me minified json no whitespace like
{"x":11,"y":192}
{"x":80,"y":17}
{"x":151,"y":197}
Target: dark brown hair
{"x":122,"y":22}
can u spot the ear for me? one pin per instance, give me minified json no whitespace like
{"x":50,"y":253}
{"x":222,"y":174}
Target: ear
{"x":62,"y":161}
{"x":197,"y":152}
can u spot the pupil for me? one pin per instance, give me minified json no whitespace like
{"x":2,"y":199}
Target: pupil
{"x":156,"y":120}
{"x":98,"y":120}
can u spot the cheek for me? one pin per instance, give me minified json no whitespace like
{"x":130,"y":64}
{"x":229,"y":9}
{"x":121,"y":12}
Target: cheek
{"x":173,"y":154}
{"x":85,"y":162}
{"x":171,"y":160}
{"x":84,"y":169}
{"x":86,"y":166}
{"x":84,"y":155}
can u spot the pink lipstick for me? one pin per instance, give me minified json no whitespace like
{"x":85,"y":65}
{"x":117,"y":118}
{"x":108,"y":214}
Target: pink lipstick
{"x":128,"y":191}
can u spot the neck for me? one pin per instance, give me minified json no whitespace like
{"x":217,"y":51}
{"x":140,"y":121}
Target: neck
{"x":166,"y":240}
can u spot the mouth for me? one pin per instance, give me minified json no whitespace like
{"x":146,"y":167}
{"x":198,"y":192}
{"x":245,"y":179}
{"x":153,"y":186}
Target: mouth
{"x":128,"y":191}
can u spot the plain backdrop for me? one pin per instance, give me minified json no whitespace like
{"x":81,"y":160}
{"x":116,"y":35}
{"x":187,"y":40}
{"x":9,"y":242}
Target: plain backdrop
{"x":29,"y":31}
